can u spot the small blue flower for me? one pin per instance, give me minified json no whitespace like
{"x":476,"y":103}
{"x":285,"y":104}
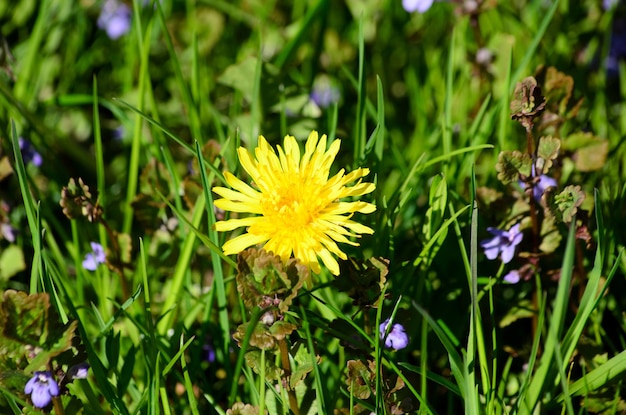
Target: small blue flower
{"x":8,"y":232}
{"x":29,"y":154}
{"x":79,"y":371}
{"x":209,"y":352}
{"x":115,"y":18}
{"x":41,"y":388}
{"x":542,"y":184}
{"x":397,"y":338}
{"x":512,"y":277}
{"x":94,"y":258}
{"x":325,"y":93}
{"x":504,"y":242}
{"x":420,"y":6}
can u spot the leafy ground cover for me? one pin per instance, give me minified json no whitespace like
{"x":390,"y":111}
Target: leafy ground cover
{"x":321,"y":207}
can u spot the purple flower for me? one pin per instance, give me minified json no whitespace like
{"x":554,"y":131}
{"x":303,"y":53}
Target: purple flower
{"x":41,"y":388}
{"x":397,"y":338}
{"x":503,"y":242}
{"x":94,"y":258}
{"x":541,"y":185}
{"x":115,"y":18}
{"x":417,"y":5}
{"x":512,"y":277}
{"x":8,"y":232}
{"x":324,"y":93}
{"x":119,"y":133}
{"x":209,"y":352}
{"x":29,"y":154}
{"x":79,"y":371}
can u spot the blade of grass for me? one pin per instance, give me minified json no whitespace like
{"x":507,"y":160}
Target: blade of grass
{"x":182,"y":268}
{"x":136,"y":143}
{"x":31,"y":212}
{"x":359,"y":124}
{"x":532,"y":48}
{"x":545,"y":374}
{"x":218,"y":273}
{"x":321,"y":391}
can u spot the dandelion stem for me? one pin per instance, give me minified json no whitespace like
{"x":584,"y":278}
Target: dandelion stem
{"x":284,"y":360}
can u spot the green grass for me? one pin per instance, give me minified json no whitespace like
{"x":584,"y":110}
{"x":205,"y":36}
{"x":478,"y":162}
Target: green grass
{"x":151,"y":121}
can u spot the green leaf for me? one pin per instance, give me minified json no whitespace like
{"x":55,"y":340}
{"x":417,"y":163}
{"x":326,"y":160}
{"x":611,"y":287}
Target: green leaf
{"x":254,"y":361}
{"x":523,"y":309}
{"x":558,"y":90}
{"x":24,"y":317}
{"x":550,"y":236}
{"x":263,"y":280}
{"x":563,"y":206}
{"x":528,"y":102}
{"x":511,"y":164}
{"x":30,"y":332}
{"x":547,"y":152}
{"x":240,"y":408}
{"x":11,"y":262}
{"x":590,"y":152}
{"x":240,"y":76}
{"x":359,"y":379}
{"x":304,"y":365}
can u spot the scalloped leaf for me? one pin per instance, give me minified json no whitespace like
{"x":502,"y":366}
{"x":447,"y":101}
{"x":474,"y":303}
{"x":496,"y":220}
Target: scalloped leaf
{"x":547,"y":152}
{"x":30,"y":332}
{"x":527,"y":102}
{"x":511,"y":164}
{"x":263,"y":280}
{"x":359,"y":379}
{"x":558,"y":89}
{"x":272,"y":372}
{"x":563,"y":206}
{"x":240,"y":408}
{"x":304,"y":365}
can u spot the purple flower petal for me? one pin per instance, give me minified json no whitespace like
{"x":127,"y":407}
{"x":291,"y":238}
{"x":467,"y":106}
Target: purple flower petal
{"x":507,"y":253}
{"x":503,"y":243}
{"x":94,"y":258}
{"x":79,"y":371}
{"x":492,"y":253}
{"x":420,"y":6}
{"x":115,"y":18}
{"x":513,"y":277}
{"x":29,"y":154}
{"x":397,"y":338}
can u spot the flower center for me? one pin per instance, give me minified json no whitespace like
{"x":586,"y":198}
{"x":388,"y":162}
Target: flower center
{"x":295,"y":205}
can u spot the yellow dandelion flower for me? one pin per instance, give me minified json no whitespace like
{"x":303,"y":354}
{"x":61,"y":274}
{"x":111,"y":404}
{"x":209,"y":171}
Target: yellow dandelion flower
{"x":299,"y":208}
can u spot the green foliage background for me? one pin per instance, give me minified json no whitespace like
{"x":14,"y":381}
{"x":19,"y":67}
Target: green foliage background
{"x":135,"y":117}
